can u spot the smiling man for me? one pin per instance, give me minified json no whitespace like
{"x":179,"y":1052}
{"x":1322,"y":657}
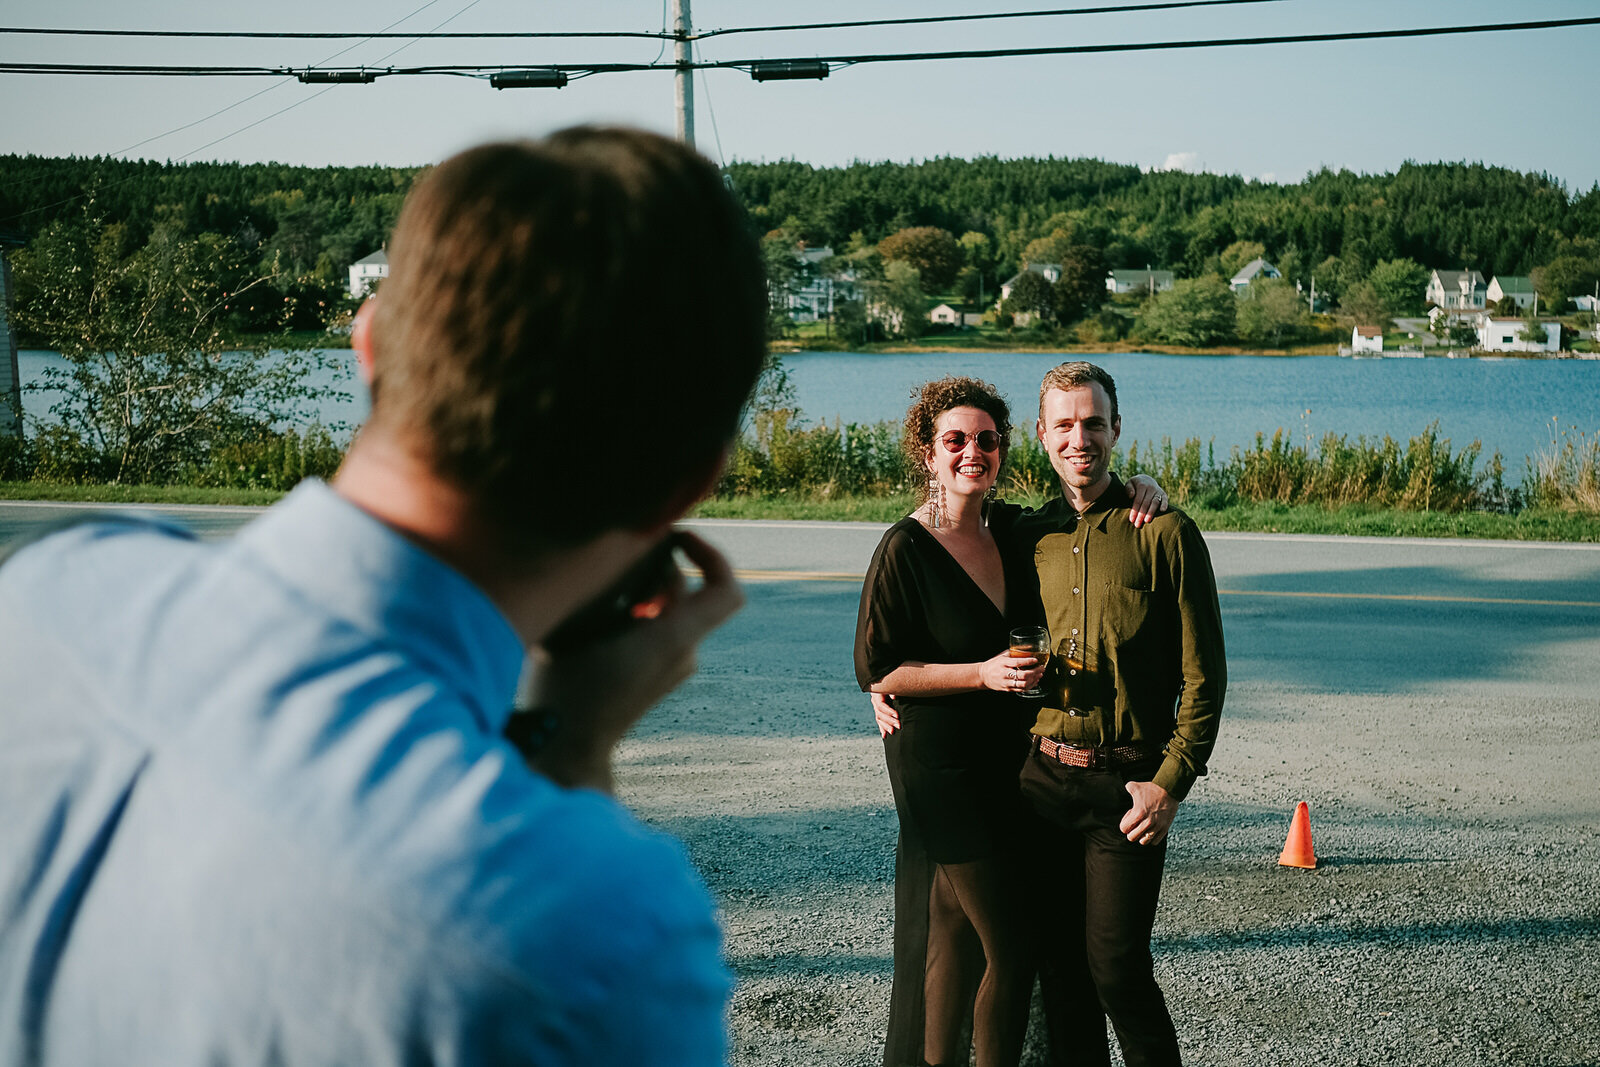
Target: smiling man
{"x":1128,"y":722}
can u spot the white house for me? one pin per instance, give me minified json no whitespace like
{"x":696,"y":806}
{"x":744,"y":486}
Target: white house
{"x":1256,"y":268}
{"x":1051,"y":272}
{"x":1367,"y":339}
{"x":1499,"y":334}
{"x":1516,"y":286}
{"x":1139,"y":281}
{"x":368,"y":271}
{"x":1457,"y":290}
{"x":814,"y":293}
{"x":952,"y":316}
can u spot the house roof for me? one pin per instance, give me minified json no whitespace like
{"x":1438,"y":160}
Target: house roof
{"x":1252,"y":268}
{"x":1141,"y":274}
{"x":1451,"y":279}
{"x":1031,"y":268}
{"x":1514,"y":283}
{"x":378,"y":258}
{"x":1370,"y":331}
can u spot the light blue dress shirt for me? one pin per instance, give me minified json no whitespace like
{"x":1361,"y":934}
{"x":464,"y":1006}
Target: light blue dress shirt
{"x":255,"y":809}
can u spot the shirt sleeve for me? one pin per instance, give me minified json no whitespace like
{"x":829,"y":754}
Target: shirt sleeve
{"x":890,"y":626}
{"x":1204,"y":660}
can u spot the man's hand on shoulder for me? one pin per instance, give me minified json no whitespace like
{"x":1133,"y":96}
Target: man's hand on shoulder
{"x":1148,"y":821}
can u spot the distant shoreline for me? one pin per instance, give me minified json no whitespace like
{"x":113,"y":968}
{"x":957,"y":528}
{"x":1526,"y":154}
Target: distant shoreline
{"x":787,"y":347}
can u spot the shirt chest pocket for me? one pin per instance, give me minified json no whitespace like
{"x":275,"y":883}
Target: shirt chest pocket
{"x":1125,"y":613}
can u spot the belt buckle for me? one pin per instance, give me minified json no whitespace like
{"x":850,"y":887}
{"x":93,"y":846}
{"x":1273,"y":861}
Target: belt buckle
{"x":1093,"y":755}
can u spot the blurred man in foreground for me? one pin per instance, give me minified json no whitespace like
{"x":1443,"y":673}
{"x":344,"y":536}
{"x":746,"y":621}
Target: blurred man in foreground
{"x":258,"y":806}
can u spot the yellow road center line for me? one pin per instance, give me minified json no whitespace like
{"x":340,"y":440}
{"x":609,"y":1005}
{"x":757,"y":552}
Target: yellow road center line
{"x":836,"y":576}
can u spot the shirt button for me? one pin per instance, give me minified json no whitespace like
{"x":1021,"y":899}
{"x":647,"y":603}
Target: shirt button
{"x":1075,"y":550}
{"x":1072,"y":672}
{"x":1074,"y":629}
{"x":1074,"y":713}
{"x":1074,"y":590}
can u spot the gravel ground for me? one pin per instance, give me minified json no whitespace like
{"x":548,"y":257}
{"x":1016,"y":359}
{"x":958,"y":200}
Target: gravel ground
{"x":1454,"y":917}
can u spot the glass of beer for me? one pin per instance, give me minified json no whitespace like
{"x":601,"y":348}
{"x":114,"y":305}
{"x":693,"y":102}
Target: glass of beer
{"x":1032,"y":641}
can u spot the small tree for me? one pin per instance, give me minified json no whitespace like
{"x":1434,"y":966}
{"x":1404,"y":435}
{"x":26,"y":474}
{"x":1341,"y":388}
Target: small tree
{"x":1533,"y":332}
{"x":1275,"y":315}
{"x":1400,"y":285}
{"x":159,"y":373}
{"x":1082,"y":285}
{"x":1030,"y":295}
{"x":1195,"y":312}
{"x":902,"y":305}
{"x":934,"y":252}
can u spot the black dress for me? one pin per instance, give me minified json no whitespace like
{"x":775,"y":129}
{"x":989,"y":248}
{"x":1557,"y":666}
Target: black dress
{"x":954,"y":761}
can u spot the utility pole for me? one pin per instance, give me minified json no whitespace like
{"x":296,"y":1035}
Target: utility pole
{"x":682,"y":54}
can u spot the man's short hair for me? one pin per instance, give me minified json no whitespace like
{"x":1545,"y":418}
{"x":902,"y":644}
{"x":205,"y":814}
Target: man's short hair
{"x":1076,"y":373}
{"x":570,"y":328}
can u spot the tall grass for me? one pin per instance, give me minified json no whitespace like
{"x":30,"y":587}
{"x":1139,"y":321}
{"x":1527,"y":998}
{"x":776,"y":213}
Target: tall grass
{"x":1426,"y":474}
{"x":1566,"y":475}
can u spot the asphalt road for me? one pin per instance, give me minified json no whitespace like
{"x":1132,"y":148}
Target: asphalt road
{"x":1332,"y":614}
{"x":1435,"y":702}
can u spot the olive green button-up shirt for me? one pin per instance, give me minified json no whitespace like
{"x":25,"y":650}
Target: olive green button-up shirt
{"x":1136,"y":631}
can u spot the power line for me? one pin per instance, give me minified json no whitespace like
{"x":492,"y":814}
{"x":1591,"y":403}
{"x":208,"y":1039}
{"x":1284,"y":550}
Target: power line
{"x":930,"y":19}
{"x":648,"y":34}
{"x":585,"y":69}
{"x":317,"y":35}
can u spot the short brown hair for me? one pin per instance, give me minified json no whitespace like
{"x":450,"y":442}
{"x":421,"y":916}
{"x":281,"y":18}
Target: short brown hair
{"x":576,"y":292}
{"x":932,"y":399}
{"x":1074,"y":374}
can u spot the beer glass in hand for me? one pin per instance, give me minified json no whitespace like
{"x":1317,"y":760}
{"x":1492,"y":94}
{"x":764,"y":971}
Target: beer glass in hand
{"x":1032,"y":641}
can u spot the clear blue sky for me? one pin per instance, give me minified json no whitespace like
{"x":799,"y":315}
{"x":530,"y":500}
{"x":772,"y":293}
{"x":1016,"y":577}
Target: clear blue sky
{"x":1525,"y":100}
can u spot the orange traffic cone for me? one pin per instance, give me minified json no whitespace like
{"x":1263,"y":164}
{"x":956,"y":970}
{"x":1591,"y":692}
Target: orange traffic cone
{"x":1297,"y":849}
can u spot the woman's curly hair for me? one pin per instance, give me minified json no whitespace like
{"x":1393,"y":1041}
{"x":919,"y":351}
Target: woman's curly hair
{"x":932,"y":399}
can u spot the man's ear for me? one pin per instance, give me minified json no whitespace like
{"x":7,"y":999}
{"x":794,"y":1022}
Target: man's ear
{"x":1038,"y":429}
{"x":1116,"y":430}
{"x":361,"y":339}
{"x":689,"y":492}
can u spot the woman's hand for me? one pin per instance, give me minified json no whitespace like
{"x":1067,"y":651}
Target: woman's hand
{"x":1011,"y":674}
{"x":1149,"y":499}
{"x":598,"y":693}
{"x":884,"y":711}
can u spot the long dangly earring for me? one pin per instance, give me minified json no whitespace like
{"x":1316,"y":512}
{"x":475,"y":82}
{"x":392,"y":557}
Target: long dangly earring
{"x":988,"y":501}
{"x":935,"y":491}
{"x":944,"y":505}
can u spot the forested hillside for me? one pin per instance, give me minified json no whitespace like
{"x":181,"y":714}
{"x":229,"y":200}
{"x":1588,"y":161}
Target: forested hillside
{"x":1441,"y":215}
{"x":313,"y":222}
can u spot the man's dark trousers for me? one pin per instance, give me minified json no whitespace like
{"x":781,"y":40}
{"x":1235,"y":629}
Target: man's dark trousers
{"x":1095,"y":872}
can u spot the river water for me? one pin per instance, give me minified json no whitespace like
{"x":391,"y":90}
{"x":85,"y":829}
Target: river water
{"x":1515,"y":406}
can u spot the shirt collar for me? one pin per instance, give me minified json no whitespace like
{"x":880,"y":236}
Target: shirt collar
{"x":354,"y":567}
{"x":1115,"y":496}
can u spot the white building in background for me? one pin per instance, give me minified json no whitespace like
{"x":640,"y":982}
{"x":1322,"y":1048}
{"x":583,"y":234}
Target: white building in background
{"x":1457,"y":290}
{"x":815,"y":292}
{"x":1367,"y":339}
{"x":1139,"y":281}
{"x":1051,"y":272}
{"x":368,"y":271}
{"x":947,"y":315}
{"x":1498,"y":334}
{"x":1250,"y":272}
{"x":1518,"y":287}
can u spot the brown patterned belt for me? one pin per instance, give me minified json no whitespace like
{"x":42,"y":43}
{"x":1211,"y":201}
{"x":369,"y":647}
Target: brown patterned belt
{"x":1090,"y":756}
